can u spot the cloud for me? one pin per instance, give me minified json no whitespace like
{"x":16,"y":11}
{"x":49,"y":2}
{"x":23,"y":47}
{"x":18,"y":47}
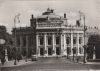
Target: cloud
{"x":34,"y":12}
{"x":70,"y":15}
{"x":10,"y":8}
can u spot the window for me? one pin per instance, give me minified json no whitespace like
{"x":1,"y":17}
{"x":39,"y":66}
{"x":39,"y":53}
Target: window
{"x":80,"y":50}
{"x":18,"y":41}
{"x":80,"y":40}
{"x":41,"y":20}
{"x":74,"y":40}
{"x":68,"y":50}
{"x":41,"y":40}
{"x":24,"y":41}
{"x":57,"y":39}
{"x":49,"y":40}
{"x":67,"y":40}
{"x":74,"y":50}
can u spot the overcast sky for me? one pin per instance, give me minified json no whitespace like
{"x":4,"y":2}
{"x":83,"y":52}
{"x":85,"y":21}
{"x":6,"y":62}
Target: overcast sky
{"x":9,"y":9}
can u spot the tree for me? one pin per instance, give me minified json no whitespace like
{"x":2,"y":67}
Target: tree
{"x":2,"y":54}
{"x":93,"y":41}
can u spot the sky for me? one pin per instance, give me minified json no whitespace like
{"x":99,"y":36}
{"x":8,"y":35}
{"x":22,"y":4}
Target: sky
{"x":9,"y":9}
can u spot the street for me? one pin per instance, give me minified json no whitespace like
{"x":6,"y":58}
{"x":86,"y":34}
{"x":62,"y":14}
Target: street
{"x":54,"y":64}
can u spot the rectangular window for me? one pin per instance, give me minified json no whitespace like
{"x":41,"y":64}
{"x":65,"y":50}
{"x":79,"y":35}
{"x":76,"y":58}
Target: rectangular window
{"x":80,"y":50}
{"x":49,"y":40}
{"x":57,"y":40}
{"x":41,"y":40}
{"x":74,"y":40}
{"x":67,"y":40}
{"x":69,"y":50}
{"x":80,"y":40}
{"x":74,"y":50}
{"x":18,"y":41}
{"x":24,"y":41}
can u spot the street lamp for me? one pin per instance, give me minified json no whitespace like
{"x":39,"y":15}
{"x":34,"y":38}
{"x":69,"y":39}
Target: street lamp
{"x":15,"y":40}
{"x":16,"y":17}
{"x":84,"y":41}
{"x":84,"y":59}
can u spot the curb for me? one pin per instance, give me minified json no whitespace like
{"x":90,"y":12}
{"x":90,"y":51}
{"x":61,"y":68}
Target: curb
{"x":29,"y":62}
{"x":88,"y":63}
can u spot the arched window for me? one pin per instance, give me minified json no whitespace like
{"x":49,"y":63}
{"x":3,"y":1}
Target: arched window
{"x":67,"y":40}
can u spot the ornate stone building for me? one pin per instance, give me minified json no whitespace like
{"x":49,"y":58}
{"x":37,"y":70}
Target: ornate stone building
{"x":51,"y":35}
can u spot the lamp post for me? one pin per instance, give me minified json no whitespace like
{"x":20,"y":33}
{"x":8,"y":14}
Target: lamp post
{"x":15,"y":40}
{"x":16,"y":17}
{"x":84,"y":59}
{"x":84,"y":41}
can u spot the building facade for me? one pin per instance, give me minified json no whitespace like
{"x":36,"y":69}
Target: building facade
{"x":50,"y":35}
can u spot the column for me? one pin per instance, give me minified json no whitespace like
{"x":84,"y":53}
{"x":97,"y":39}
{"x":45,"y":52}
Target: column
{"x":26,"y":48}
{"x":71,"y":43}
{"x":83,"y":43}
{"x":64,"y":38}
{"x":61,"y":43}
{"x":45,"y":48}
{"x":77,"y":43}
{"x":53,"y":44}
{"x":37,"y":43}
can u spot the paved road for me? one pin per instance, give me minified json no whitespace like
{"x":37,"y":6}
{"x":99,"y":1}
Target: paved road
{"x":54,"y":64}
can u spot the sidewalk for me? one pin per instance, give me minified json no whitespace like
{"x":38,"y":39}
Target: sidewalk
{"x":97,"y":63}
{"x":11,"y":63}
{"x":22,"y":62}
{"x":87,"y":62}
